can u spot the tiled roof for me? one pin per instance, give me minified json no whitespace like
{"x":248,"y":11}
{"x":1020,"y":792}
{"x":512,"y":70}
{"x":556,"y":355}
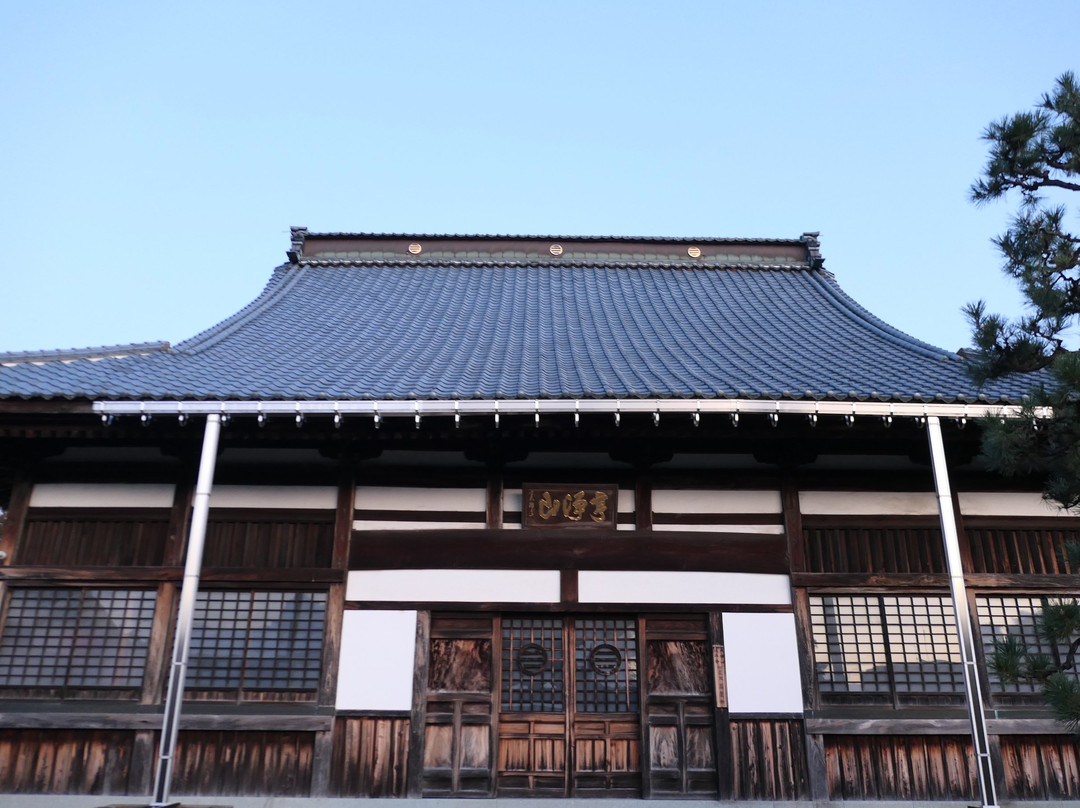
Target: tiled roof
{"x":423,"y":329}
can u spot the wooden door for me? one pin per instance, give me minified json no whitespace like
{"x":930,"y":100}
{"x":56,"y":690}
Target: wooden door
{"x":569,"y":716}
{"x":679,"y":708}
{"x":458,"y":728}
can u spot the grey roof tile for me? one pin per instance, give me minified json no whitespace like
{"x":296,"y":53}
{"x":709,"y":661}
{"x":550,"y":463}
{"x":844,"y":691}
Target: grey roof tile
{"x":404,"y":330}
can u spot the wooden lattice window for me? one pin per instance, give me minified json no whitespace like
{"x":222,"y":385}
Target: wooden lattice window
{"x":606,"y":668}
{"x":257,"y":640}
{"x":76,"y":638}
{"x":1017,"y":616}
{"x":879,"y":647}
{"x":532,"y":650}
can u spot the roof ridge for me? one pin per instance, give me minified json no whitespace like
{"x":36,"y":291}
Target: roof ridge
{"x":540,"y":237}
{"x":281,"y":281}
{"x":71,"y":354}
{"x":560,"y":262}
{"x":894,"y":335}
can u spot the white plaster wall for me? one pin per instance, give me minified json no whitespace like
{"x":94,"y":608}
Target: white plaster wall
{"x":762,"y":660}
{"x":716,"y":501}
{"x":375,"y":670}
{"x":774,"y":530}
{"x":862,"y":503}
{"x":1008,"y":504}
{"x":311,"y":497}
{"x":613,"y":586}
{"x":381,"y":498}
{"x":101,"y":495}
{"x":454,"y":586}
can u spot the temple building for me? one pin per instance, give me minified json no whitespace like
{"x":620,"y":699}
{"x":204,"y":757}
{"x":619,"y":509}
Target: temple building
{"x":508,"y":516}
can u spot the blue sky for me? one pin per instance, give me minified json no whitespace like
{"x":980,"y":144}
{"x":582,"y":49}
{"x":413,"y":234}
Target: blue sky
{"x":154,"y":155}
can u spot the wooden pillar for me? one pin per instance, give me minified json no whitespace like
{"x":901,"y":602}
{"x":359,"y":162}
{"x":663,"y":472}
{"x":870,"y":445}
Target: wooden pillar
{"x":725,"y":753}
{"x":323,"y":776}
{"x":15,"y":522}
{"x":815,"y":747}
{"x":415,"y":774}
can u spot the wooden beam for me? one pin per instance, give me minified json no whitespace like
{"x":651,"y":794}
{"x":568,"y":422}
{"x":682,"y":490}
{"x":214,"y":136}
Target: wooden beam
{"x":62,"y":575}
{"x":888,"y":726}
{"x":549,"y":549}
{"x":840,"y":581}
{"x":152,"y":721}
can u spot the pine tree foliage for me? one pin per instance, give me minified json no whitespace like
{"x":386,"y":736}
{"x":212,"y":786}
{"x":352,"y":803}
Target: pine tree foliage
{"x":1035,"y":155}
{"x":1059,"y":626}
{"x":1032,"y":153}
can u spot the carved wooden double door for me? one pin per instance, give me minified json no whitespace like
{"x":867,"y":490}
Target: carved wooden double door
{"x":544,"y":705}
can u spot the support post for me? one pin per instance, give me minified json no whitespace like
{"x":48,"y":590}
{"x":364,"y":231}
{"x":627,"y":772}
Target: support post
{"x":174,"y":699}
{"x":973,"y":689}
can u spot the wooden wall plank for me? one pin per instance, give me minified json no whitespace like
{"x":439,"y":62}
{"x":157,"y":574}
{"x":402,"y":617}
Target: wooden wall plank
{"x":65,"y":761}
{"x":227,"y":762}
{"x":900,"y":767}
{"x":369,"y":757}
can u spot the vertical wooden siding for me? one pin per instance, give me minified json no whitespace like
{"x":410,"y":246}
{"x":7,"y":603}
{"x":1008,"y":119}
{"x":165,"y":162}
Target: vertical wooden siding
{"x":263,"y":544}
{"x":1041,"y":767}
{"x":244,"y":763}
{"x":94,"y":541}
{"x":65,"y":761}
{"x":769,"y":759}
{"x":878,"y":549}
{"x":900,"y":767}
{"x":1020,"y":550}
{"x":370,"y":757}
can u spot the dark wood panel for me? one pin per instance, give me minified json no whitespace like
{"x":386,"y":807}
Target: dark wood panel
{"x":523,"y":549}
{"x":769,"y":759}
{"x":253,"y":544}
{"x":1020,"y":550}
{"x":1041,"y":767}
{"x":370,"y":757}
{"x":901,"y":767}
{"x":94,"y":542}
{"x":532,"y":755}
{"x":244,"y":763}
{"x":65,"y":761}
{"x":866,"y":549}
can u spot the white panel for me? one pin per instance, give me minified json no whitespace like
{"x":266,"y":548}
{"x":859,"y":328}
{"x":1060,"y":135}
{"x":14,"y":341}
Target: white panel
{"x":375,"y":671}
{"x":1011,"y":504}
{"x":312,"y":497}
{"x":762,"y":660}
{"x":512,"y":499}
{"x":454,"y":586}
{"x":763,"y":529}
{"x":626,"y":501}
{"x":378,"y":498}
{"x":682,"y":587}
{"x":361,"y":524}
{"x":863,"y":503}
{"x":103,"y":495}
{"x":716,"y":501}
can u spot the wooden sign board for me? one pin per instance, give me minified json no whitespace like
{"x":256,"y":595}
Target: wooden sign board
{"x":720,"y":677}
{"x":569,"y":506}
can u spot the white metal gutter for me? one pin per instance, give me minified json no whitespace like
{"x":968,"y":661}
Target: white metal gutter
{"x":549,"y":406}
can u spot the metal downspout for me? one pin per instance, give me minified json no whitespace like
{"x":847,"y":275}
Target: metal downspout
{"x":189,"y":590}
{"x":973,"y":688}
